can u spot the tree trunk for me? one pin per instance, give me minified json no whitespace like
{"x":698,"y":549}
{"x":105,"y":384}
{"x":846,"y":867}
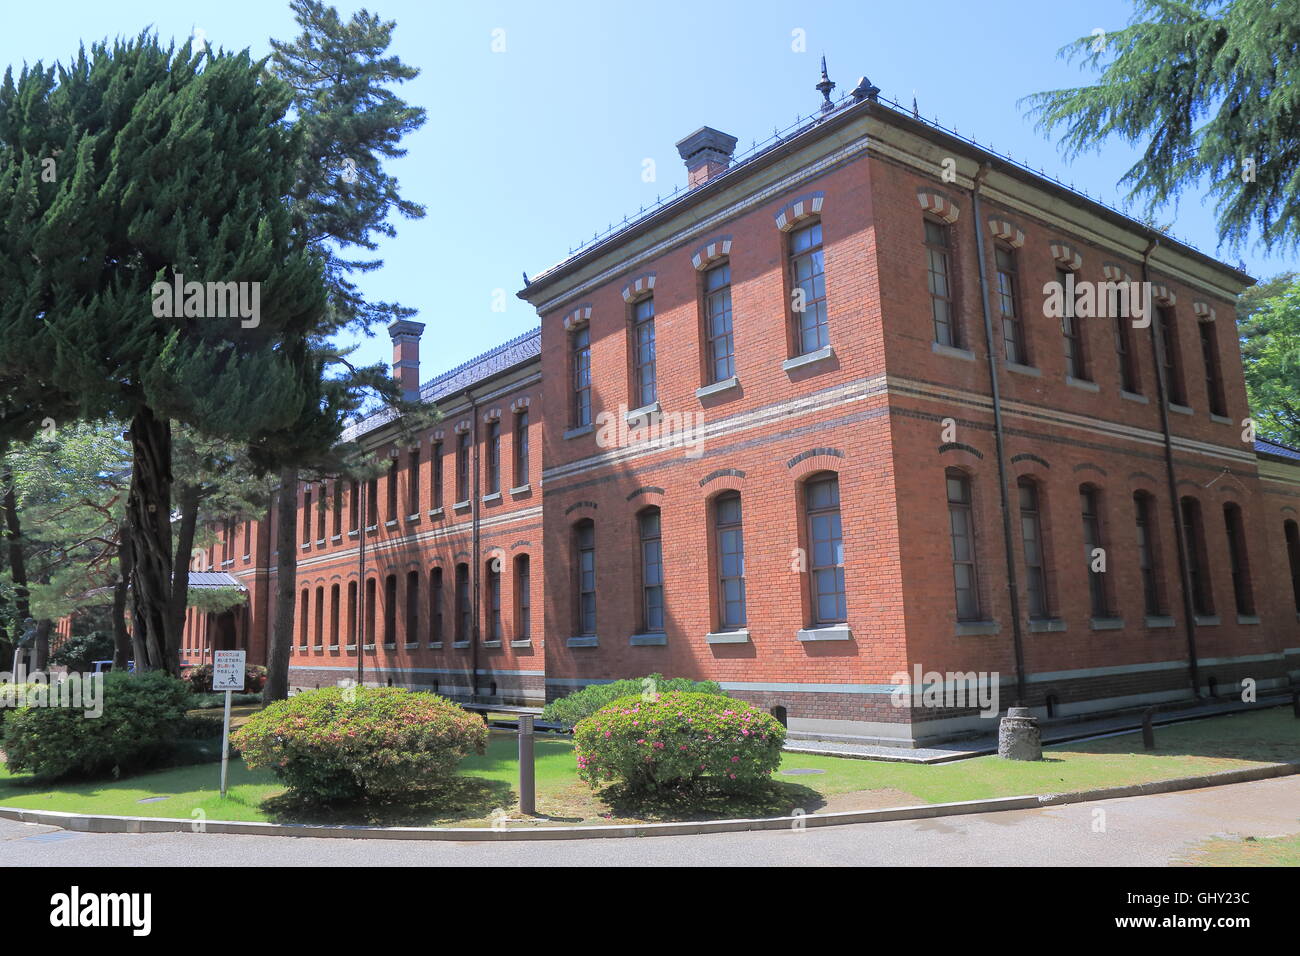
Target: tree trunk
{"x":42,"y":645}
{"x":286,"y":583}
{"x":149,"y":517}
{"x":189,"y":509}
{"x":121,"y":637}
{"x":17,"y":566}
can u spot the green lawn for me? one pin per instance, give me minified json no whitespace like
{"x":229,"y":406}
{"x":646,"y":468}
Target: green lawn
{"x":1250,"y":851}
{"x":486,"y":783}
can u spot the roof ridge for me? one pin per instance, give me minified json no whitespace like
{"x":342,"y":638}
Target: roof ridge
{"x":482,"y":356}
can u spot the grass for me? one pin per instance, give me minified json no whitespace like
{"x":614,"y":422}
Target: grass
{"x":1250,"y":851}
{"x":486,"y":784}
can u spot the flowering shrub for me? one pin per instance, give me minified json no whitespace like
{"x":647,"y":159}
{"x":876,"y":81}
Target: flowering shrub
{"x":200,"y":678}
{"x":570,"y":709}
{"x":679,"y":741}
{"x":360,"y":742}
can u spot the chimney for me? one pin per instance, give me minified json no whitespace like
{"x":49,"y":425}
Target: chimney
{"x":406,"y":356}
{"x":707,"y":153}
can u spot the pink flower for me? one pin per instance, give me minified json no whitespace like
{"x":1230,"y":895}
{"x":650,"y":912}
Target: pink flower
{"x":735,"y":760}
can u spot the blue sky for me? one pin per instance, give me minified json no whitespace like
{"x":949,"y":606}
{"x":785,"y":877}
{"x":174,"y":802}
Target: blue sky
{"x":529,"y":151}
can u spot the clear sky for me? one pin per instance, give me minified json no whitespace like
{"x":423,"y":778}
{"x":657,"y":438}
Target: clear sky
{"x":529,"y":150}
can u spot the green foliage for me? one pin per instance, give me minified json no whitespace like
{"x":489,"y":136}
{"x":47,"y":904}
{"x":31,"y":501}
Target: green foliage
{"x":142,"y":716}
{"x":1268,"y":320}
{"x":680,"y":742}
{"x":79,"y":652}
{"x":216,"y":600}
{"x":200,"y":680}
{"x":1209,"y":88}
{"x":360,"y":742}
{"x":574,"y":707}
{"x":217,"y":701}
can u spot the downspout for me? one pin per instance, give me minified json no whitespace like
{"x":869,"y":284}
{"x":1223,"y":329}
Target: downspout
{"x":1180,"y":537}
{"x":474,"y":548}
{"x":1013,"y":589}
{"x":359,"y":632}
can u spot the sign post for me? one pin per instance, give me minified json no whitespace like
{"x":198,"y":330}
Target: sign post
{"x":227,"y":675}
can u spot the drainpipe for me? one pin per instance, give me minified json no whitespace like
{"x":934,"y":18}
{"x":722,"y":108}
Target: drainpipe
{"x":360,"y":632}
{"x":1180,"y":538}
{"x":474,"y":547}
{"x":1013,"y":589}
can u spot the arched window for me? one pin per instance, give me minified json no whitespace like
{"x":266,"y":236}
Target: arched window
{"x":370,"y":613}
{"x":412,"y":635}
{"x":717,"y":323}
{"x":1008,"y":299}
{"x":729,"y":540}
{"x":464,"y":613}
{"x":825,"y":549}
{"x":1076,"y":350}
{"x":304,"y":608}
{"x":352,"y":614}
{"x":808,"y":289}
{"x":1239,"y":560}
{"x":652,"y":571}
{"x":1144,"y":507}
{"x":644,"y":379}
{"x":584,"y":543}
{"x":435,"y":606}
{"x":493,"y":572}
{"x":318,"y":622}
{"x":1031,"y":537}
{"x":1292,"y":533}
{"x":390,"y":609}
{"x":523,"y":599}
{"x":334,"y":616}
{"x":939,"y":279}
{"x":1094,"y":550}
{"x":1197,"y":565}
{"x":961,"y":526}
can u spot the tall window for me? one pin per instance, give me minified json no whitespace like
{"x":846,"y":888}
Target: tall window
{"x":390,"y":609}
{"x":463,"y":610}
{"x":336,"y":525}
{"x":435,"y":463}
{"x":1124,"y":351}
{"x":435,"y":606}
{"x":1076,"y":365}
{"x":390,"y":489}
{"x":580,"y":364}
{"x":962,"y":529}
{"x":1213,"y":378}
{"x":808,"y":287}
{"x":370,"y":612}
{"x":643,"y":354}
{"x":413,"y":482}
{"x":939,"y":273}
{"x":354,"y":506}
{"x":334,"y":615}
{"x":1092,"y":541}
{"x":1013,"y":332}
{"x":523,"y":599}
{"x":303,"y":612}
{"x":1291,"y":531}
{"x":1238,"y":560}
{"x":730,"y":543}
{"x":320,"y":512}
{"x":318,"y":622}
{"x":652,"y":571}
{"x":493,"y":572}
{"x":352,"y":614}
{"x":493,"y":457}
{"x":248,"y":536}
{"x":1197,"y":569}
{"x":1143,"y":504}
{"x":412,"y":622}
{"x":462,"y":466}
{"x":826,"y":547}
{"x":1177,"y":394}
{"x":306,"y":516}
{"x":1031,"y":536}
{"x":717,"y":318}
{"x":584,"y":537}
{"x":521,"y":448}
{"x":372,"y":503}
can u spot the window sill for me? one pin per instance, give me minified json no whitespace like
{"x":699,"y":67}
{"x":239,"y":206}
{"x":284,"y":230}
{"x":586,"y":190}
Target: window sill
{"x":305,"y":546}
{"x":333,"y":648}
{"x":318,"y":649}
{"x":320,"y":542}
{"x":435,"y":513}
{"x":647,"y":640}
{"x":413,"y":519}
{"x":411,"y":646}
{"x":644,"y":412}
{"x":808,"y":358}
{"x":371,"y":528}
{"x":460,"y":643}
{"x":526,"y":642}
{"x":247,"y":558}
{"x":1045,"y":625}
{"x":522,"y":489}
{"x":461,"y":506}
{"x":435,"y":645}
{"x":351,"y":647}
{"x":1019,"y":369}
{"x":302,"y":648}
{"x":952,"y":351}
{"x":491,"y":643}
{"x":579,"y":431}
{"x":390,"y":647}
{"x":334,"y":539}
{"x":1107,"y":623}
{"x":965,"y":628}
{"x":1159,"y":620}
{"x":368,"y":647}
{"x":832,"y":632}
{"x":582,"y":640}
{"x":489,"y":499}
{"x":1134,"y":397}
{"x":353,"y":534}
{"x":717,"y":388}
{"x":1221,"y":419}
{"x":390,"y":523}
{"x":1208,"y":620}
{"x":1082,"y":383}
{"x":1180,"y":409}
{"x":1247,"y":618}
{"x":728,"y":637}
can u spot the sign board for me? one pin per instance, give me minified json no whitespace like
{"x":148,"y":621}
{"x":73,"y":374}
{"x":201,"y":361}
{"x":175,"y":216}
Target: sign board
{"x":228,"y":670}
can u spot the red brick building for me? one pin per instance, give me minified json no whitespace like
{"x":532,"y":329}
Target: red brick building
{"x":812,"y":425}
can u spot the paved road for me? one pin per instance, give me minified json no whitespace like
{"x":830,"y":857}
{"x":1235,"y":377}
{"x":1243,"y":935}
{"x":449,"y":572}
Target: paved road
{"x":1137,"y":831}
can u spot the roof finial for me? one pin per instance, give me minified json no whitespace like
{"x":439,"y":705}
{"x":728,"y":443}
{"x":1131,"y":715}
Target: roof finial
{"x":825,"y":87}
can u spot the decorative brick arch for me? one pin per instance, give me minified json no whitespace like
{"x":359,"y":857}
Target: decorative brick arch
{"x":815,"y":459}
{"x":640,"y":287}
{"x":1089,"y":466}
{"x":577,"y":318}
{"x":709,"y":253}
{"x":797,"y":210}
{"x":588,"y":505}
{"x":724,"y":479}
{"x":491,"y":415}
{"x":1203,"y":310}
{"x":1160,"y":292}
{"x":1066,"y":254}
{"x":1007,"y":231}
{"x":1029,"y":456}
{"x":1144,"y":477}
{"x":519,"y":404}
{"x":1115,"y":272}
{"x":959,"y":446}
{"x":462,"y":426}
{"x":652,"y":494}
{"x":938,"y":204}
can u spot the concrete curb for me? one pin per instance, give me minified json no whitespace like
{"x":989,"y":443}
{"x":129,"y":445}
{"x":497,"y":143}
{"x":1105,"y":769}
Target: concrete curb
{"x":90,"y":823}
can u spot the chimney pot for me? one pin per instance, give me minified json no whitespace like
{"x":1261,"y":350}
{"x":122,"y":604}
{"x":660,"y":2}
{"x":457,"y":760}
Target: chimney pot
{"x":707,"y":153}
{"x":406,"y":356}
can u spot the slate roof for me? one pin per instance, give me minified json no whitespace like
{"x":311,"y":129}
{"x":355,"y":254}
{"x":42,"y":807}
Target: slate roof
{"x":211,"y":580}
{"x":1264,"y":447}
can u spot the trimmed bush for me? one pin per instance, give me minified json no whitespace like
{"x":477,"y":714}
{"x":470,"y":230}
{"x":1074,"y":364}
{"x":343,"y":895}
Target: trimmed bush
{"x":141,"y":720}
{"x":79,"y":653}
{"x":679,"y":741}
{"x":200,"y":679}
{"x":581,"y":704}
{"x":360,"y":742}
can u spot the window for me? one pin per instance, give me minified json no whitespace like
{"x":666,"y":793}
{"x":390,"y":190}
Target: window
{"x":493,"y":571}
{"x":643,"y":354}
{"x":1146,"y":536}
{"x":1197,"y":571}
{"x":962,"y":530}
{"x":435,"y":462}
{"x":372,"y":503}
{"x":1213,"y":378}
{"x":463,"y":610}
{"x":1089,"y":502}
{"x":352,"y":614}
{"x":435,"y":606}
{"x":523,"y":599}
{"x":808,"y":289}
{"x":1013,"y":333}
{"x":1238,"y":560}
{"x":652,"y":571}
{"x":730,"y":542}
{"x":1174,"y":390}
{"x":334,"y":615}
{"x":370,"y":613}
{"x":391,"y":489}
{"x":336,"y":525}
{"x":493,"y":457}
{"x":1291,"y":531}
{"x":1124,"y":350}
{"x":354,"y":506}
{"x":462,"y":466}
{"x":413,"y":482}
{"x":717,"y":320}
{"x":521,"y":448}
{"x":248,"y":536}
{"x":412,"y":632}
{"x":939,"y":273}
{"x":580,"y":363}
{"x":318,"y":623}
{"x":584,"y":537}
{"x":1076,"y":365}
{"x":390,"y":609}
{"x":826,"y":547}
{"x":306,"y":516}
{"x":1031,"y":536}
{"x":304,"y":609}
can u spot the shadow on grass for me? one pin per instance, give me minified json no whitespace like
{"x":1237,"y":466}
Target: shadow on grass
{"x":463,"y":798}
{"x":1268,"y":736}
{"x":773,"y":799}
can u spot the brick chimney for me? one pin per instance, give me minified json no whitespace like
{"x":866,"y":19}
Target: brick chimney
{"x":707,"y":153}
{"x":406,"y":356}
